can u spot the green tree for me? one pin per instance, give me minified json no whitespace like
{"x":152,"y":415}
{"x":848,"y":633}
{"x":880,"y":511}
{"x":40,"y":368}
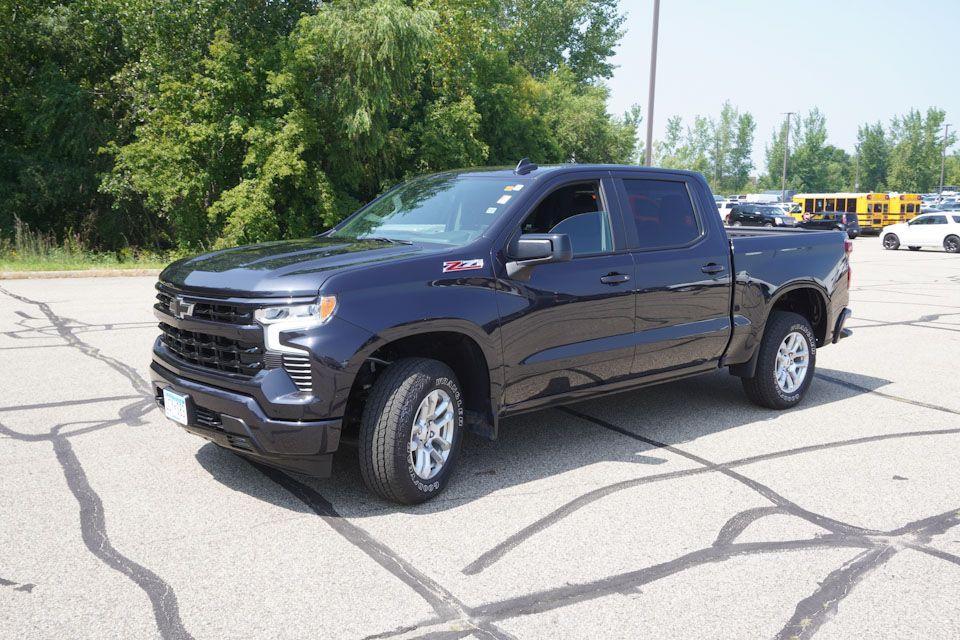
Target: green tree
{"x":874,"y":157}
{"x":916,"y":148}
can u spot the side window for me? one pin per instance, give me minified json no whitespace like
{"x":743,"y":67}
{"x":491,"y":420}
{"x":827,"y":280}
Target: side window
{"x":662,"y":213}
{"x":830,"y":202}
{"x":851,"y":204}
{"x":956,"y":219}
{"x":576,"y":210}
{"x":818,"y":206}
{"x":808,"y":206}
{"x":919,"y":221}
{"x":938,"y":220}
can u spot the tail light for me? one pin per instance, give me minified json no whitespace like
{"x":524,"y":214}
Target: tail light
{"x":848,"y":249}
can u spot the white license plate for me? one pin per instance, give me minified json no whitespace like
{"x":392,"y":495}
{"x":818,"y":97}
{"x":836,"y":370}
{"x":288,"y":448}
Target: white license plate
{"x":175,"y":406}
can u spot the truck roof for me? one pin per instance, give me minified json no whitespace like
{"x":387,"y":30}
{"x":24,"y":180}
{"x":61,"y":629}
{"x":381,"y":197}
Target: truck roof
{"x":554,"y":169}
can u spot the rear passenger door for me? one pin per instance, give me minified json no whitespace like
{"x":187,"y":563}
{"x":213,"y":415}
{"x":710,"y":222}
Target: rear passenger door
{"x":682,"y":280}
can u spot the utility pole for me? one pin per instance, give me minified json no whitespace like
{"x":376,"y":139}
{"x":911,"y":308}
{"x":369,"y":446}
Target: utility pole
{"x":786,"y":148}
{"x":943,"y":157}
{"x":856,"y":178}
{"x":648,"y":150}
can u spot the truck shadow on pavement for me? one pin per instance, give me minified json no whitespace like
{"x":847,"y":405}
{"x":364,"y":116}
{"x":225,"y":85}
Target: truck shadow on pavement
{"x":552,"y":442}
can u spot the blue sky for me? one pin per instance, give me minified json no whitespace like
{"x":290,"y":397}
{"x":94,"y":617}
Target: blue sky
{"x":858,"y":61}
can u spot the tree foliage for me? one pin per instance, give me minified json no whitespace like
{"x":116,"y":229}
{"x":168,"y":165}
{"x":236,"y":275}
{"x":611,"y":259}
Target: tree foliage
{"x":720,"y":148}
{"x":215,"y":122}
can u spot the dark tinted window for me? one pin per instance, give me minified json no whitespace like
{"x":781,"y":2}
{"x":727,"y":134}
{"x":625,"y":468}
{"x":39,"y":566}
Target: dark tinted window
{"x":661,"y":212}
{"x":575,"y":210}
{"x":851,"y":204}
{"x":956,"y":219}
{"x":808,"y":206}
{"x":938,"y":220}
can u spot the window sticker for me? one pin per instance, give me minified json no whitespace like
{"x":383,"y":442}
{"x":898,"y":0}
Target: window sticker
{"x":504,"y":199}
{"x":491,"y":209}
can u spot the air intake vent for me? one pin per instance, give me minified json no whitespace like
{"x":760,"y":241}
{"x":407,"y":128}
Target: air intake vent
{"x":298,"y":368}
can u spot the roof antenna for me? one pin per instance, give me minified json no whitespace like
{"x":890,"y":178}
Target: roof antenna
{"x":524,"y":167}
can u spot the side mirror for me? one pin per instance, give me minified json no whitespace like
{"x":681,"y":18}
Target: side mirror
{"x":532,"y":249}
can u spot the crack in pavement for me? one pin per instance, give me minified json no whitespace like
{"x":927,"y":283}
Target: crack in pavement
{"x":93,"y":527}
{"x":447,"y":607}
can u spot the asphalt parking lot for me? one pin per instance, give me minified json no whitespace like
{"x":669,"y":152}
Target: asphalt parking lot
{"x":680,"y":511}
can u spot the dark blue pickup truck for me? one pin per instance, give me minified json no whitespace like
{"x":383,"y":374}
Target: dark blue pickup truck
{"x":459,"y":298}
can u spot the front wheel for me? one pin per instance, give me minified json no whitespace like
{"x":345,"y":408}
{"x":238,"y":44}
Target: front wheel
{"x":951,"y":244}
{"x":785,"y":362}
{"x":411,"y":430}
{"x":891,"y":242}
{"x":768,"y":224}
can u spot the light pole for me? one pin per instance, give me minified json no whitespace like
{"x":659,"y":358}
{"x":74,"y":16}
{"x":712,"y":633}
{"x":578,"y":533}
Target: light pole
{"x":648,"y":150}
{"x":943,"y":158}
{"x":786,"y":147}
{"x":856,"y":177}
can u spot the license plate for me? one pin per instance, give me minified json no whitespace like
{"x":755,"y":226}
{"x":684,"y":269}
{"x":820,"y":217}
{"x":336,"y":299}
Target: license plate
{"x":175,"y":406}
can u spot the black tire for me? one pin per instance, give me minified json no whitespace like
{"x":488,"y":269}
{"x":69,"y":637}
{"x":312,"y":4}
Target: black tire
{"x":912,"y":248}
{"x":762,"y":389}
{"x":951,"y":244}
{"x":891,"y":242}
{"x":768,"y":224}
{"x":852,"y":235}
{"x":386,"y":426}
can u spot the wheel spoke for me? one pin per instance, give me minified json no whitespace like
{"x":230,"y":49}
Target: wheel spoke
{"x":440,"y":442}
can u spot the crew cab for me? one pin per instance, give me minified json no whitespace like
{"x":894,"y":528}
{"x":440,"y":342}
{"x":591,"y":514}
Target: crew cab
{"x":457,"y":299}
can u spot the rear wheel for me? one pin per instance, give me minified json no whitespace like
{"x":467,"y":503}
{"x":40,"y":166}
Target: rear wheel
{"x":785,"y":362}
{"x":891,"y":242}
{"x":411,"y":430}
{"x":737,"y":223}
{"x":951,"y":244}
{"x":768,"y":224}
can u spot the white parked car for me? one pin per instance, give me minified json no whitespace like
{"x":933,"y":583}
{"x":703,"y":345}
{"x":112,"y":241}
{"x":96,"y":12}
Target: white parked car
{"x":927,"y":230}
{"x":724,"y":208}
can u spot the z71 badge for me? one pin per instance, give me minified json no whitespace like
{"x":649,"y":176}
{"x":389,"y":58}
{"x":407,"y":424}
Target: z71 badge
{"x":463,"y":265}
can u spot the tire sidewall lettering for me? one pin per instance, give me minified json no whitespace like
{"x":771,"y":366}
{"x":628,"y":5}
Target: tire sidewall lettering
{"x":453,"y":390}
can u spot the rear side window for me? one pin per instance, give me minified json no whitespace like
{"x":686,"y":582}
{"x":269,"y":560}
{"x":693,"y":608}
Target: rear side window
{"x":662,"y":213}
{"x":956,"y":219}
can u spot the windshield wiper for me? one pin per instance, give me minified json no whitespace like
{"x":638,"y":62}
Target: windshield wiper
{"x":387,"y":240}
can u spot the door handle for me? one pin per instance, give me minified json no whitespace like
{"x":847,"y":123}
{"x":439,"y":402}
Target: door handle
{"x":614,"y":278}
{"x":712,"y":267}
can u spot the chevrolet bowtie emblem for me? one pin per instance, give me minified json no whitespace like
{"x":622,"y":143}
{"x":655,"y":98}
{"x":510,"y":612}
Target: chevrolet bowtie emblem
{"x":181,"y":308}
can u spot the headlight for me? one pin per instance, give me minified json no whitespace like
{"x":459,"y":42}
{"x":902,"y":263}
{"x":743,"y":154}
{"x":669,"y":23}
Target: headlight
{"x":293,"y":317}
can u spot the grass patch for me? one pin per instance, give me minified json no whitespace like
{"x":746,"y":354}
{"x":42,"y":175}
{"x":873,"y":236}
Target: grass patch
{"x":36,"y":251}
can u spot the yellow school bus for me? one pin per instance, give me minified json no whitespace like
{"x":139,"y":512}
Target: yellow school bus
{"x":869,"y":207}
{"x":903,"y":207}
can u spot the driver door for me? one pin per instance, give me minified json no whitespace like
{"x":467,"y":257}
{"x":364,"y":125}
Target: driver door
{"x":568,"y":326}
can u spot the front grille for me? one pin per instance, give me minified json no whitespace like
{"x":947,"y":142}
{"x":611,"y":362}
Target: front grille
{"x":225,"y":312}
{"x":298,"y":368}
{"x":213,"y":352}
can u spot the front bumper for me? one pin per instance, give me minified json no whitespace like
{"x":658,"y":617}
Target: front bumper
{"x":237,"y":422}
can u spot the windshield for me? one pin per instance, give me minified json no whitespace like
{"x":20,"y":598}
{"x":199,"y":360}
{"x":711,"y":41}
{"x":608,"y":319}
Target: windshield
{"x":446,"y":208}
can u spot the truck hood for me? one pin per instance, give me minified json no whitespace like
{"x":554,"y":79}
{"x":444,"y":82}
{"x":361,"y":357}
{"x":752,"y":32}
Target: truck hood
{"x":280,"y":269}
